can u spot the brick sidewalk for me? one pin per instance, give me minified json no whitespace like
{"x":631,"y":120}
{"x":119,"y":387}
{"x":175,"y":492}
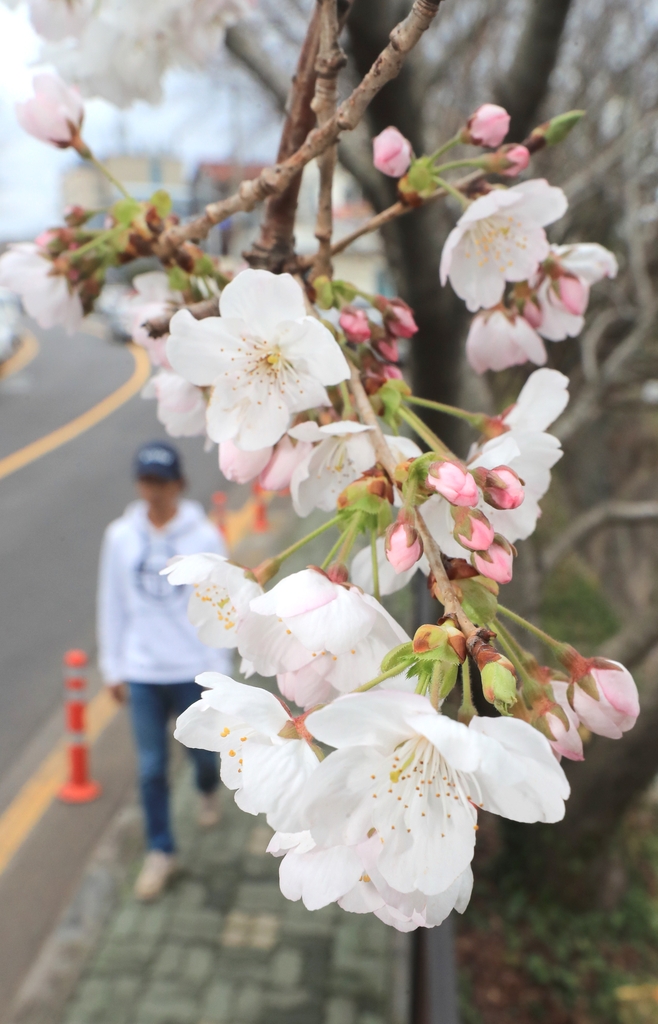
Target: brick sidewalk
{"x":224,"y":947}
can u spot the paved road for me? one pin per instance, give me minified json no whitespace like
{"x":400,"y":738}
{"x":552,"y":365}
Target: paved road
{"x":52,"y":515}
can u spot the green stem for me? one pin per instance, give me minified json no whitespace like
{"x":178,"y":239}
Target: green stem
{"x":348,"y":408}
{"x":473,"y":162}
{"x":349,"y":539}
{"x":535,"y":630}
{"x":428,"y":436}
{"x":531,"y":688}
{"x":108,"y":174}
{"x":467,"y":710}
{"x":454,"y":192}
{"x":435,"y":686}
{"x":305,"y":540}
{"x":375,"y":565}
{"x":450,"y":144}
{"x":379,"y":679}
{"x":474,"y":418}
{"x":328,"y":560}
{"x":103,"y":236}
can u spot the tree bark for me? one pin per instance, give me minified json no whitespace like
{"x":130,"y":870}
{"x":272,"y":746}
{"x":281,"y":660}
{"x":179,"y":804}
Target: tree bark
{"x":523,"y":88}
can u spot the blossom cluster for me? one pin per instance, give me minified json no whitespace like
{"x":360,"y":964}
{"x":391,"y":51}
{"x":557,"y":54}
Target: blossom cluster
{"x":370,"y":772}
{"x":119,"y":50}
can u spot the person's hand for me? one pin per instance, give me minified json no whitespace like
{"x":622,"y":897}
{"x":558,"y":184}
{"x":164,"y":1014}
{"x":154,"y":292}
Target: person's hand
{"x":119,"y":691}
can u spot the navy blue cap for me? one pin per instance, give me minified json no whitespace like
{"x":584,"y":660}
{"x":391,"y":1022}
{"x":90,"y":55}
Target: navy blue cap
{"x":158,"y":458}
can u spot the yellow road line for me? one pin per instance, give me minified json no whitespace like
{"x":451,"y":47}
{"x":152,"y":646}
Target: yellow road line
{"x":24,"y":354}
{"x":38,"y":793}
{"x":48,"y":443}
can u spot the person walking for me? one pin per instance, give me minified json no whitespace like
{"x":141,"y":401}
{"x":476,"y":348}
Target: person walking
{"x":149,"y":653}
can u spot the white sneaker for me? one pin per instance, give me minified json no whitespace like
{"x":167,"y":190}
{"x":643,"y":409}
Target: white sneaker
{"x":157,"y":871}
{"x":210,"y":812}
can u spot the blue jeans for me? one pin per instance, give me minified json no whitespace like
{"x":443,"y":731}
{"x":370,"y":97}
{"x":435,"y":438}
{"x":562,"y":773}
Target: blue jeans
{"x":151,"y":707}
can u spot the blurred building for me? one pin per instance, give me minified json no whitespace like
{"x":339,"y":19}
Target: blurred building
{"x":86,"y":186}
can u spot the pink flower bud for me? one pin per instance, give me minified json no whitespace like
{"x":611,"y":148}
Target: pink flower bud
{"x":472,"y":529}
{"x":355,"y":324}
{"x":454,"y":482}
{"x":618,"y":705}
{"x":518,"y":158}
{"x":388,"y":347}
{"x":392,"y":372}
{"x":533,"y":314}
{"x":286,"y":457}
{"x":496,"y":562}
{"x":488,"y":126}
{"x":573,"y":293}
{"x":55,"y":112}
{"x":566,"y":742}
{"x":392,"y":153}
{"x":502,"y":488}
{"x":402,"y":323}
{"x":239,"y":466}
{"x":403,"y":546}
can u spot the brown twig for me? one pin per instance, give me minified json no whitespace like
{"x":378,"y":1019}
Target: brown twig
{"x":159,"y":325}
{"x":442,"y":587}
{"x":274,"y":180}
{"x":275,"y":244}
{"x":391,"y":213}
{"x":330,"y":60}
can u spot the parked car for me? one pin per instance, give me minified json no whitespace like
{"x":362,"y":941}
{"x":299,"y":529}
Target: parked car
{"x":10,"y":319}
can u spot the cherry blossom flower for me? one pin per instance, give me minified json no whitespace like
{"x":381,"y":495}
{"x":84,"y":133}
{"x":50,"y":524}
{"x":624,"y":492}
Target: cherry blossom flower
{"x":499,"y":238}
{"x":616,"y":710}
{"x":453,"y":481}
{"x":563,"y":290}
{"x":219,"y":603}
{"x":319,"y":637}
{"x":239,"y":466}
{"x":277,"y":475}
{"x":120,"y":51}
{"x":341,"y":453}
{"x":349,"y":876}
{"x":499,"y":338}
{"x":527,"y":448}
{"x":263,"y":357}
{"x":395,"y":745}
{"x":355,"y":324}
{"x":488,"y":126}
{"x":54,"y":114}
{"x":46,"y":294}
{"x":392,"y":153}
{"x":181,"y":406}
{"x":152,"y":298}
{"x":263,"y":757}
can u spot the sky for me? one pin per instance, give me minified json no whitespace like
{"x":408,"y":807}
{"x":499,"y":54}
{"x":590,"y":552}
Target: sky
{"x":202,"y":117}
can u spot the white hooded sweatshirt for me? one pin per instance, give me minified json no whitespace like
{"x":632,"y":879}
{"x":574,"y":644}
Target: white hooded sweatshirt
{"x":144,"y":635}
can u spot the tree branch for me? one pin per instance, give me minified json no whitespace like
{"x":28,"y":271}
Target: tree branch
{"x":159,"y":325}
{"x":605,"y":514}
{"x":274,"y":180}
{"x":330,"y":60}
{"x":442,"y":588}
